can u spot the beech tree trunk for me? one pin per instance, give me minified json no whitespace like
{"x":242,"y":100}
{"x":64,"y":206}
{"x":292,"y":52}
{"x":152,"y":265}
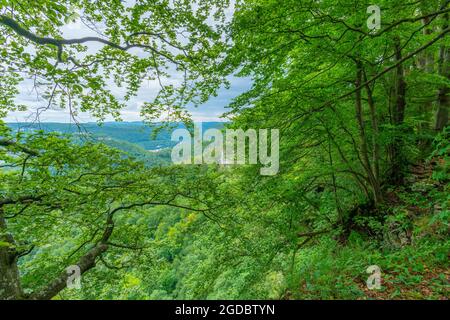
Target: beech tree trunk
{"x":86,"y":263}
{"x":443,"y":96}
{"x":10,"y":288}
{"x":371,"y":175}
{"x":395,"y":148}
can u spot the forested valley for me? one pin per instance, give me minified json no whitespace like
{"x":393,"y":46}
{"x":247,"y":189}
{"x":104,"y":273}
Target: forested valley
{"x":363,"y":117}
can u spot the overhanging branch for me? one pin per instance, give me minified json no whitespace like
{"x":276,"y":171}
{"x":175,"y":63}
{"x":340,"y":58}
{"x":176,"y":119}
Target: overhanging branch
{"x":60,"y":43}
{"x":14,"y":144}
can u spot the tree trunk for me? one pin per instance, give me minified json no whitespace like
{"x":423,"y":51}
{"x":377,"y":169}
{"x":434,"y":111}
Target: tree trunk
{"x":395,"y":148}
{"x":10,"y":288}
{"x":376,"y":153}
{"x":85,"y":263}
{"x":427,"y":65}
{"x":374,"y":182}
{"x":443,"y":95}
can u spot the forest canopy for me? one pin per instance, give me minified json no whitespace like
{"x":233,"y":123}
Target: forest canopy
{"x":363,"y":116}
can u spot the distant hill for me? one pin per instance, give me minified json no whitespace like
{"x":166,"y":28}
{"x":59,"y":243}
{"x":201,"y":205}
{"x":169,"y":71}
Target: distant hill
{"x":135,"y":138}
{"x":137,"y":133}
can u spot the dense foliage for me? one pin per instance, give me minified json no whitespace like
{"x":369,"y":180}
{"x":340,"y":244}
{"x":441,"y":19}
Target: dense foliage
{"x":364,"y":151}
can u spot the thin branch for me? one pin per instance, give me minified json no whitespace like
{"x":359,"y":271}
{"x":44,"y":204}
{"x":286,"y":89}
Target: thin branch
{"x":15,"y":144}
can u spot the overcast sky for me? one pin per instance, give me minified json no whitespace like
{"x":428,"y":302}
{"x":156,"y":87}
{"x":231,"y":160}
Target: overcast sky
{"x":211,"y":111}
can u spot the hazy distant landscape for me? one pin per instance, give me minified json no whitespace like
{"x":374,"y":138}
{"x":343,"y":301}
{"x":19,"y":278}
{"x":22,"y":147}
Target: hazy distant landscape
{"x":135,"y":138}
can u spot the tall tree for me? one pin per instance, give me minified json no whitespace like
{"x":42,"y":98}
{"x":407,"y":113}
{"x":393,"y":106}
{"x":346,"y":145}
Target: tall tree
{"x":317,"y":68}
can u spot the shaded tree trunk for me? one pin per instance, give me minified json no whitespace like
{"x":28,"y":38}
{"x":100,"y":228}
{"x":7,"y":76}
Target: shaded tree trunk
{"x":85,"y":263}
{"x":426,"y":65}
{"x":10,"y":288}
{"x":395,"y":149}
{"x":443,"y":96}
{"x":371,"y":176}
{"x":376,"y":153}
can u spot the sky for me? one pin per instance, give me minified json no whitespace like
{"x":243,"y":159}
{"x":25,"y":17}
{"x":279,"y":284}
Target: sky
{"x":210,"y":111}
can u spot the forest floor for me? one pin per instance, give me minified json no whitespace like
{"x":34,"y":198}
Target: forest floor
{"x":431,"y":286}
{"x":412,"y":249}
{"x":429,"y":280}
